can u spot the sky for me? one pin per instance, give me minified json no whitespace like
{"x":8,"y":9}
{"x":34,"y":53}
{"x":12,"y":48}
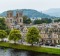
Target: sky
{"x":39,"y":5}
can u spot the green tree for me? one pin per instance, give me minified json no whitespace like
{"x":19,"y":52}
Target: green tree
{"x":57,"y":20}
{"x":37,"y":21}
{"x":32,"y":35}
{"x":15,"y":35}
{"x":2,"y":24}
{"x":3,"y":34}
{"x":26,"y":20}
{"x":46,"y":20}
{"x":8,"y":31}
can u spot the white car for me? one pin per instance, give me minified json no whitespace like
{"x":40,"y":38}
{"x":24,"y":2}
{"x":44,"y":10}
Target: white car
{"x":57,"y":45}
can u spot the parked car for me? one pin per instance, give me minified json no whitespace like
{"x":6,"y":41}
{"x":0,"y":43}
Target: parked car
{"x":57,"y":46}
{"x":41,"y":43}
{"x":47,"y":44}
{"x":52,"y":44}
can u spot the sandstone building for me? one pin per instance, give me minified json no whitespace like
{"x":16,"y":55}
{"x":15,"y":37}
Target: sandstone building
{"x":14,"y":21}
{"x":50,"y":33}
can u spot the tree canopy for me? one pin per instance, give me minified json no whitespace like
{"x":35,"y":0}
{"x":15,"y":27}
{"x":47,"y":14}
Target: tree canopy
{"x":32,"y":35}
{"x":15,"y":35}
{"x":57,"y":20}
{"x":2,"y":24}
{"x":26,"y":20}
{"x":38,"y":21}
{"x":3,"y":34}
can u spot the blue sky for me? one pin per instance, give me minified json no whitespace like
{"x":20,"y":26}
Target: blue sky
{"x":39,"y":5}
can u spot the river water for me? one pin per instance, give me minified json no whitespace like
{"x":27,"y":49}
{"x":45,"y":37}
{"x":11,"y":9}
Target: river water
{"x":12,"y":52}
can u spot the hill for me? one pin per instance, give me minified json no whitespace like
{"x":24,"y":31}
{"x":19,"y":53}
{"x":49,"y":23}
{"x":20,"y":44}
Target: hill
{"x":28,"y":12}
{"x":53,"y":12}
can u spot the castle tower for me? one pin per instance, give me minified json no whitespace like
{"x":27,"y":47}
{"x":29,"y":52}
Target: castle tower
{"x":9,"y":14}
{"x":9,"y":19}
{"x":18,"y":13}
{"x":14,"y":21}
{"x":19,"y":17}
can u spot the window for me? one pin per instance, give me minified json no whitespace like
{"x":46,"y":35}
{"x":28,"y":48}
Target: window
{"x":20,"y":20}
{"x":20,"y":25}
{"x":15,"y":23}
{"x":11,"y":20}
{"x":49,"y":36}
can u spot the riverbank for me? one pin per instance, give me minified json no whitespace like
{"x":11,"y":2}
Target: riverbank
{"x":30,"y":48}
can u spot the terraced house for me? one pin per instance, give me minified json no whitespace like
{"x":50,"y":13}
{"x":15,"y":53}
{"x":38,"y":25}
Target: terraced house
{"x":50,"y":34}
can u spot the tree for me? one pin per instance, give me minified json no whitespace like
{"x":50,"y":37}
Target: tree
{"x":26,"y":20}
{"x":37,"y":21}
{"x":3,"y":34}
{"x":57,"y":20}
{"x":32,"y":35}
{"x":2,"y":24}
{"x":15,"y":35}
{"x":8,"y":31}
{"x":46,"y":20}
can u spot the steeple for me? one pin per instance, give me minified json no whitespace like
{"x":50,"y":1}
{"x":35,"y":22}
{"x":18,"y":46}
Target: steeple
{"x":18,"y":13}
{"x":9,"y":13}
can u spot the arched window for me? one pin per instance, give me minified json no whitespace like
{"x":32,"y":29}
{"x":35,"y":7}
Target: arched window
{"x":11,"y":20}
{"x":20,"y":20}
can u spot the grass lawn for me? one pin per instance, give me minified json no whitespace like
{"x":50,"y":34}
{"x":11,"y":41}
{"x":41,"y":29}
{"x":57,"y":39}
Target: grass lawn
{"x":31,"y":48}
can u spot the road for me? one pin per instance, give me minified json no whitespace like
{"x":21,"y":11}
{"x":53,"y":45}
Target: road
{"x":50,"y":47}
{"x":25,"y":43}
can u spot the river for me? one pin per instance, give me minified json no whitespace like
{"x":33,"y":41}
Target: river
{"x":12,"y":52}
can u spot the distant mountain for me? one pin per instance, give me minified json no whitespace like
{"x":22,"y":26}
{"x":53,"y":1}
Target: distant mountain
{"x":28,"y":12}
{"x":53,"y":12}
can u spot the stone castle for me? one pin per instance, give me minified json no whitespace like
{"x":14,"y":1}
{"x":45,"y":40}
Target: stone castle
{"x":14,"y":21}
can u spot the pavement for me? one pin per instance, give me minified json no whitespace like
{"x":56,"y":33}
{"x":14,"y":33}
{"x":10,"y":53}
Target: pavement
{"x":51,"y":47}
{"x":25,"y":43}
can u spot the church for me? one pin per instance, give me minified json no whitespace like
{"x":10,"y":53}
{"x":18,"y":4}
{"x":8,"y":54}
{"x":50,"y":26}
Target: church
{"x":14,"y":21}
